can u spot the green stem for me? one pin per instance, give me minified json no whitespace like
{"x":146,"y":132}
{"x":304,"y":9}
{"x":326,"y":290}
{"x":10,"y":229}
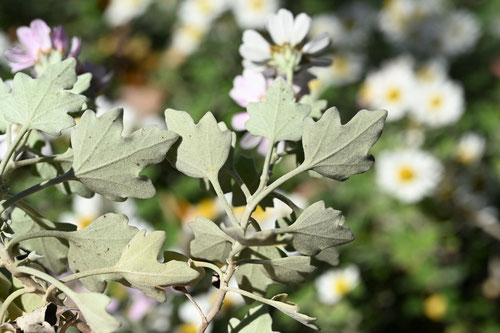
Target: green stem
{"x":11,"y":298}
{"x":248,"y":294}
{"x":37,"y":234}
{"x":12,"y":148}
{"x":264,"y":177}
{"x":34,"y":160}
{"x":241,"y":183}
{"x":262,"y":194}
{"x":70,"y":175}
{"x":227,"y":207}
{"x":207,"y":265}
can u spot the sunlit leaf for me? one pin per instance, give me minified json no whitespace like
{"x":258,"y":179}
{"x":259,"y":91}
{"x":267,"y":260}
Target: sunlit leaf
{"x":108,"y":163}
{"x":257,"y":320}
{"x":292,"y":310}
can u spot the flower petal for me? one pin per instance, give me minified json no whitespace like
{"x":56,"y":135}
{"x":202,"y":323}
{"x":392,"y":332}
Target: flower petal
{"x":301,"y":27}
{"x":239,"y":120}
{"x":318,"y":44}
{"x":280,"y":26}
{"x":41,"y":31}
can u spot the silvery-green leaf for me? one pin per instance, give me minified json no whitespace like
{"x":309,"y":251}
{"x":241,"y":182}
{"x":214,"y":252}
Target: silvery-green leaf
{"x":318,"y":228}
{"x":53,"y":250}
{"x":254,"y":277}
{"x":108,"y":163}
{"x":82,"y":83}
{"x":292,"y":310}
{"x":93,"y":307}
{"x":204,"y":147}
{"x":278,"y":117}
{"x":61,"y":164}
{"x":287,"y":270}
{"x":329,"y":255}
{"x":317,"y":106}
{"x":99,"y":245}
{"x":257,"y":320}
{"x":139,"y":266}
{"x":44,"y":103}
{"x":4,"y":91}
{"x":172,"y":255}
{"x":210,"y":242}
{"x":260,"y":238}
{"x":28,"y":302}
{"x":338,"y":151}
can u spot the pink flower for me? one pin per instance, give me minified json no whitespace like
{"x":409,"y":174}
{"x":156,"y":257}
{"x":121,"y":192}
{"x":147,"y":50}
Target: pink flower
{"x":38,"y":41}
{"x":140,"y":305}
{"x":249,"y":87}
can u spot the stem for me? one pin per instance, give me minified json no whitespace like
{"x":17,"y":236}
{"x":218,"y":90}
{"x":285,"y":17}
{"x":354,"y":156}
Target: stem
{"x":12,"y":148}
{"x":262,"y":194}
{"x":11,"y":298}
{"x":289,"y":76}
{"x":264,"y":177}
{"x":37,"y":234}
{"x":248,"y":294}
{"x":207,"y":265}
{"x":34,"y":160}
{"x":70,"y":175}
{"x":200,"y":311}
{"x":241,"y":183}
{"x":227,"y":207}
{"x":280,"y":196}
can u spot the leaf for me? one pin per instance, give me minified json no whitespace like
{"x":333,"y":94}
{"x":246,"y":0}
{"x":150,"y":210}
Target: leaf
{"x":257,"y":320}
{"x":318,"y":228}
{"x":278,"y":117}
{"x":4,"y":91}
{"x":82,"y":83}
{"x":338,"y":151}
{"x":292,"y":310}
{"x":61,"y":164}
{"x":44,"y":103}
{"x":5,"y":285}
{"x":108,"y":163}
{"x":54,"y":251}
{"x":99,"y":245}
{"x":289,"y":270}
{"x":317,"y":106}
{"x":28,"y":302}
{"x":210,"y":242}
{"x":329,"y":256}
{"x":139,"y":266}
{"x":204,"y":147}
{"x":254,"y":277}
{"x":172,"y":255}
{"x":93,"y":307}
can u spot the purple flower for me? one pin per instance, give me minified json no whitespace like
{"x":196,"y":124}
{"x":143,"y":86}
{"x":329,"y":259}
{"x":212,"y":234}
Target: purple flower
{"x":37,"y":42}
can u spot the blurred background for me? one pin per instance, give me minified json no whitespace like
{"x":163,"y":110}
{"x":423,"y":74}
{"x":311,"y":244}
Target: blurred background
{"x":427,"y":252}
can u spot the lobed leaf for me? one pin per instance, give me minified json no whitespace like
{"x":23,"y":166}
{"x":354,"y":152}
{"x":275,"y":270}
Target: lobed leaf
{"x":338,"y":151}
{"x":278,"y":117}
{"x":289,"y":270}
{"x":210,"y":242}
{"x":317,"y":229}
{"x":43,"y":103}
{"x":108,"y":163}
{"x":317,"y":106}
{"x":93,"y":307}
{"x":292,"y":310}
{"x":204,"y":147}
{"x":257,"y":320}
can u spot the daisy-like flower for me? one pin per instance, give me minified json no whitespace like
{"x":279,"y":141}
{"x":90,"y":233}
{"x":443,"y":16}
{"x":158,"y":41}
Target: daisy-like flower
{"x":408,"y":174}
{"x":289,"y":51}
{"x":432,"y":71}
{"x":460,"y":32}
{"x":438,"y":103}
{"x":470,"y":148}
{"x":253,"y":14}
{"x":345,"y":68}
{"x":390,"y":88}
{"x":201,"y":12}
{"x":84,"y":211}
{"x":120,"y":12}
{"x":186,"y":39}
{"x":39,"y":46}
{"x":334,"y":284}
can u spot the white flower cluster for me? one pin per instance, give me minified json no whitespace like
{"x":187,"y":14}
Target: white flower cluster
{"x":429,"y":27}
{"x":426,"y":94}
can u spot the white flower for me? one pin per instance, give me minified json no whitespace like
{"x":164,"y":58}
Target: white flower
{"x":187,"y":38}
{"x":120,"y":12}
{"x":345,"y":69}
{"x":390,"y":88}
{"x":408,"y":174}
{"x":85,"y":210}
{"x":460,"y":32}
{"x":253,"y":14}
{"x":289,"y":50}
{"x":470,"y":148}
{"x":334,"y":284}
{"x":432,"y":71}
{"x":4,"y":46}
{"x":438,"y":103}
{"x":200,"y":12}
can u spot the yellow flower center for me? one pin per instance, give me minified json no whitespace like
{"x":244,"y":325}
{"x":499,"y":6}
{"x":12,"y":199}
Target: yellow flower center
{"x":192,"y":32}
{"x":341,"y":287}
{"x":435,"y":306}
{"x":406,"y":174}
{"x":84,"y":221}
{"x":340,"y":65}
{"x":314,"y":85}
{"x":393,"y":95}
{"x":204,"y":6}
{"x":436,"y":102}
{"x":207,"y":208}
{"x":188,"y":328}
{"x":256,"y":5}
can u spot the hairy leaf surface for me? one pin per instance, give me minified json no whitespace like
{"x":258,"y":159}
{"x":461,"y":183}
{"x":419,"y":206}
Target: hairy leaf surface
{"x":108,"y":163}
{"x":338,"y":151}
{"x":278,"y":117}
{"x":44,"y":103}
{"x":204,"y":147}
{"x":210,"y":242}
{"x":292,"y":270}
{"x":292,"y":310}
{"x":257,"y":320}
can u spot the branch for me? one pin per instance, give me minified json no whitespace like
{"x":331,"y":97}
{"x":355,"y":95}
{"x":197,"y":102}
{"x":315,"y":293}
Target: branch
{"x":11,"y":298}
